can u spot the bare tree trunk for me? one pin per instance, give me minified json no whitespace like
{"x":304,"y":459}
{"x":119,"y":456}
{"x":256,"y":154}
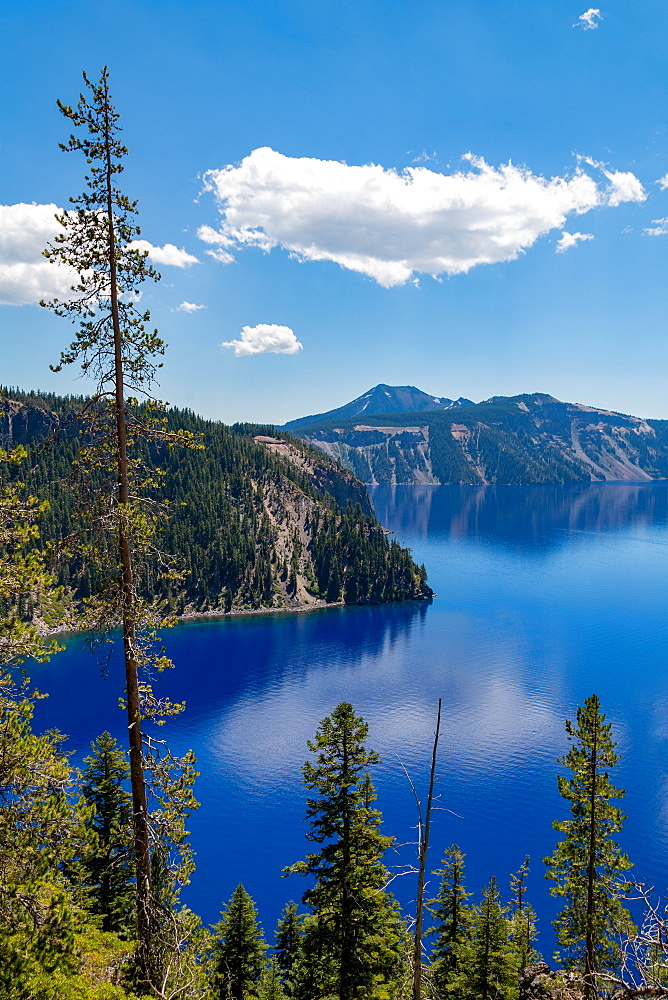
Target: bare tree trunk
{"x":137,"y":777}
{"x":424,"y":847}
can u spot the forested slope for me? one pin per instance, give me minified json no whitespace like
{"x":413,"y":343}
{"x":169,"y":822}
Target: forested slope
{"x":256,"y":519}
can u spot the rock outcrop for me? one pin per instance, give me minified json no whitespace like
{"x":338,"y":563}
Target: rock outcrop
{"x":539,"y":982}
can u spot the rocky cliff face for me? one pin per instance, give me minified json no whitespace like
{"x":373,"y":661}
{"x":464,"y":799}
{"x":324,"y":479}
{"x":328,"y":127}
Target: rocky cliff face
{"x":21,"y":423}
{"x":519,"y":439}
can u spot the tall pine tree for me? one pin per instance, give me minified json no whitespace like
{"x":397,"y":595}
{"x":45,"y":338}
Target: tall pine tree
{"x":492,"y":975}
{"x":114,"y":347}
{"x":588,"y":865}
{"x":353,"y":938}
{"x":288,"y":937}
{"x":522,"y":929}
{"x":452,"y":927}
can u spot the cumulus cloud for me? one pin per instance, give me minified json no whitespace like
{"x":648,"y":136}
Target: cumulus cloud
{"x":25,"y":275}
{"x":590,"y":19}
{"x":663,"y":182}
{"x":188,"y":307}
{"x":265,"y":338}
{"x":569,"y":240}
{"x":659,"y":228}
{"x":624,"y":186}
{"x":392,"y":225}
{"x":168,"y":255}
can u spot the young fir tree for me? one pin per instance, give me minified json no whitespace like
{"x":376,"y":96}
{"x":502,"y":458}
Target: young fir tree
{"x":106,"y":867}
{"x":522,"y":928}
{"x":588,"y":865}
{"x":492,"y":975}
{"x":452,"y":928}
{"x":271,"y":985}
{"x":114,"y":347}
{"x":239,"y":949}
{"x":288,"y":937}
{"x":351,"y":944}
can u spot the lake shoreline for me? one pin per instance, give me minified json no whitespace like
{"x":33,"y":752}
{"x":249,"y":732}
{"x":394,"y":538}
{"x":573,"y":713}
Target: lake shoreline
{"x":207,"y":616}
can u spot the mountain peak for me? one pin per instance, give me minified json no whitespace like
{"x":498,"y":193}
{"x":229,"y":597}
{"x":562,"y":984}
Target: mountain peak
{"x":382,"y":398}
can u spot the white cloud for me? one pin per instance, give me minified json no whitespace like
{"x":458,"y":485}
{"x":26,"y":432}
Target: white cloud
{"x":391,"y":225}
{"x":265,"y":338}
{"x":624,"y":186}
{"x":222,"y":256}
{"x":660,"y":228}
{"x":25,"y":275}
{"x":590,"y":19}
{"x":168,"y":255}
{"x":188,"y":307}
{"x":569,"y":240}
{"x":663,"y":182}
{"x":220,"y":240}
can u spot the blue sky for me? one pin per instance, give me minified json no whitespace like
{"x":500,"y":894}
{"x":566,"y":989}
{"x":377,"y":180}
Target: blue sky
{"x":360,"y":192}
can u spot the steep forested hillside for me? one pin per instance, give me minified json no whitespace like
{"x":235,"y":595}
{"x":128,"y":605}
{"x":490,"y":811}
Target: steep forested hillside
{"x":520,"y":439}
{"x":256,"y":518}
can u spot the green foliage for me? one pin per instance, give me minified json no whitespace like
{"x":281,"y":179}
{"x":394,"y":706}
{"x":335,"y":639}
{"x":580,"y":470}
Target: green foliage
{"x":522,"y":931}
{"x":229,"y":528}
{"x":40,"y":830}
{"x":239,"y":949}
{"x":492,"y":973}
{"x":588,"y":865}
{"x":452,"y":927}
{"x":351,"y":944}
{"x":105,"y":870}
{"x":101,"y":958}
{"x":288,"y":938}
{"x":271,"y":985}
{"x":26,"y":588}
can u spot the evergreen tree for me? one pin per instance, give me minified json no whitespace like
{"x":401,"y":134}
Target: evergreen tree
{"x":271,"y":986}
{"x":588,"y":865}
{"x":25,"y":585}
{"x":288,"y":936}
{"x":107,"y":865}
{"x":452,"y":929}
{"x":114,"y":347}
{"x":40,"y":831}
{"x":352,"y":942}
{"x":492,"y":969}
{"x":522,"y":929}
{"x":239,"y":950}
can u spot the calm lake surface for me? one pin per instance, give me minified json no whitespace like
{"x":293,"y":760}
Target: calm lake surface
{"x":545,"y":594}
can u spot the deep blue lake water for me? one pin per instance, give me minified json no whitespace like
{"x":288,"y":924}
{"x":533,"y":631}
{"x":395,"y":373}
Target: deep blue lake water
{"x":545,"y":594}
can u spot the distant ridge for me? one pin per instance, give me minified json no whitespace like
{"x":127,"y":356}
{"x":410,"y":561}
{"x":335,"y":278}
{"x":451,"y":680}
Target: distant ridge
{"x":530,"y":438}
{"x":382,"y":399}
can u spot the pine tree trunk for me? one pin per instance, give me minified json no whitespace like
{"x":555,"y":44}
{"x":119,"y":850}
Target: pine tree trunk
{"x":137,"y":778}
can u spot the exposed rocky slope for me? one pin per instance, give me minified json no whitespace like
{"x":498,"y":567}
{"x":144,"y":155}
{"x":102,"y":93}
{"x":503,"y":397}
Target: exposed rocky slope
{"x":518,"y":439}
